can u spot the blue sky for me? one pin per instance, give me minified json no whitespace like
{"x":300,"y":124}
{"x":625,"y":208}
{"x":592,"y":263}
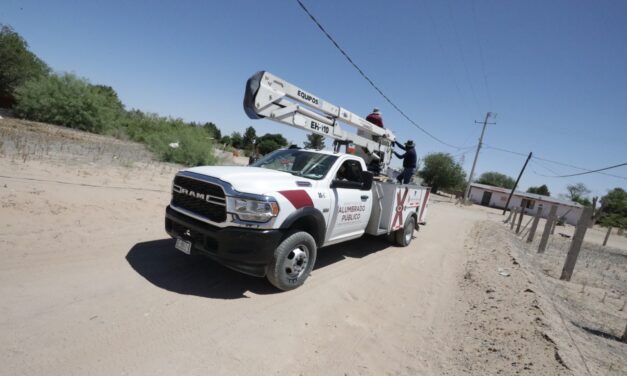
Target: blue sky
{"x":554,"y":72}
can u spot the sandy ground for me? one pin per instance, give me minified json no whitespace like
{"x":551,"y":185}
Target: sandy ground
{"x":90,"y":284}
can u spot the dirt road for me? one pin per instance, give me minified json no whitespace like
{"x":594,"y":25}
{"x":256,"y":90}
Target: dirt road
{"x":98,"y":288}
{"x":90,"y":284}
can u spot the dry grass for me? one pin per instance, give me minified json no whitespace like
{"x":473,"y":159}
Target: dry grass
{"x":592,"y":303}
{"x":24,"y":141}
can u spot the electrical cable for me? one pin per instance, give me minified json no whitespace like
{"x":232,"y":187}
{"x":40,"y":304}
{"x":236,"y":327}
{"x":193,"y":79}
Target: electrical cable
{"x":485,"y":76}
{"x":591,"y":171}
{"x":361,"y":72}
{"x":586,"y":170}
{"x":461,"y":52}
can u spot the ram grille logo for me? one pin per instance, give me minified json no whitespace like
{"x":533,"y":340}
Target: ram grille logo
{"x":184,"y":191}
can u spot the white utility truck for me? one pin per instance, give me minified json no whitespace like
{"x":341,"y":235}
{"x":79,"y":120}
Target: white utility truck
{"x":270,"y":218}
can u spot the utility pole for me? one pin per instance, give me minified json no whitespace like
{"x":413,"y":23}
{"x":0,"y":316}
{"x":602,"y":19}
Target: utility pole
{"x":474,"y":162}
{"x":516,"y":184}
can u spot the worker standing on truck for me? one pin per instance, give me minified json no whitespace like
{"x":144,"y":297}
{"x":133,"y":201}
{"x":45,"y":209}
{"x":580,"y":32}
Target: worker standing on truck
{"x":375,"y":118}
{"x":409,"y":161}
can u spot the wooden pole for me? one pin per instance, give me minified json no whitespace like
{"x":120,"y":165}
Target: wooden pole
{"x":511,"y":224}
{"x":575,"y":244}
{"x":509,"y":217}
{"x":534,"y":225}
{"x":474,"y":162}
{"x":517,"y":180}
{"x":520,"y":218}
{"x":547,"y":229}
{"x":607,"y":236}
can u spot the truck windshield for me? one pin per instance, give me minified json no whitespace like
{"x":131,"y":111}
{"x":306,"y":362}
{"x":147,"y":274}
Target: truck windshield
{"x":297,"y":162}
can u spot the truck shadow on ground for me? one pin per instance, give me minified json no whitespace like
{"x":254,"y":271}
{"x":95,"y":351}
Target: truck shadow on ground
{"x":165,"y":267}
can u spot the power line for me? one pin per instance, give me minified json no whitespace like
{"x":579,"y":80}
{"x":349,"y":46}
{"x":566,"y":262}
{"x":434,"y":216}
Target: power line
{"x":505,"y":150}
{"x":361,"y":72}
{"x":578,"y":168}
{"x":485,"y":76}
{"x":445,"y":58}
{"x":589,"y":172}
{"x":461,"y":52}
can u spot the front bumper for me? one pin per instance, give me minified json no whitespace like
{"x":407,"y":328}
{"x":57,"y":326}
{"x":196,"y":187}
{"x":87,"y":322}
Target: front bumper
{"x":245,"y":250}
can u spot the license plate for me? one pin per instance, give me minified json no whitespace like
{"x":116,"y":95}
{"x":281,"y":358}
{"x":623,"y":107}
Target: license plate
{"x":183,"y":246}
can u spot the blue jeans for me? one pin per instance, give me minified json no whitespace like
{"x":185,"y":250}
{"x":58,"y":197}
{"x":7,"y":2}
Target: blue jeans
{"x":405,"y":176}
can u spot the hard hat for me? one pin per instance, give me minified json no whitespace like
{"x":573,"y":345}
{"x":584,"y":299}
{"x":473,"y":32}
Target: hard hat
{"x":410,"y":144}
{"x":375,"y":110}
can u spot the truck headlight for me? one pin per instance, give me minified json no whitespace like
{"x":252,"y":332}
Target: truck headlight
{"x":253,"y":210}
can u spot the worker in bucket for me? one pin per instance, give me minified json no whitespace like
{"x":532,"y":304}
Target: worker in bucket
{"x":409,"y":161}
{"x":375,"y":118}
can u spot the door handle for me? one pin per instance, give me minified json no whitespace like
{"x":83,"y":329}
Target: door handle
{"x":364,"y":197}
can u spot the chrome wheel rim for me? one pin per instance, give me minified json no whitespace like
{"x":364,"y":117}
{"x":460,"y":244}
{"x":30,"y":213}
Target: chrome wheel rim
{"x":296,"y":262}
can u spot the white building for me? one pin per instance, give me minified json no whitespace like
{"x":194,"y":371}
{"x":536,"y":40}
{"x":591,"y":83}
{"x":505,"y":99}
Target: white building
{"x":496,"y":197}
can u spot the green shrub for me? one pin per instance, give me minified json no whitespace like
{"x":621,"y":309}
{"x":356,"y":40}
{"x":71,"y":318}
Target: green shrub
{"x":70,"y":101}
{"x":18,"y":64}
{"x":195,"y":146}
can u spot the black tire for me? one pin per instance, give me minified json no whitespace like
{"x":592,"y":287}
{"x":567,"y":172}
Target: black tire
{"x":293,"y":260}
{"x":403,"y":236}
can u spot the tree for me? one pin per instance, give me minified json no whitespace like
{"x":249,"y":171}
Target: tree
{"x":314,"y":141}
{"x":213,"y":130}
{"x":70,"y":101}
{"x":236,"y":140}
{"x":440,"y":171}
{"x":541,"y":190}
{"x":577,"y":192}
{"x":583,"y":201}
{"x":496,"y":179}
{"x":614,"y":208}
{"x":18,"y":64}
{"x":250,"y":136}
{"x":226,"y":140}
{"x":270,"y":142}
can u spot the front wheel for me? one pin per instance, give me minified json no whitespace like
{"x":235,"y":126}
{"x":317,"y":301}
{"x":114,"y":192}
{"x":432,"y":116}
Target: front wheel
{"x":403,"y":236}
{"x":293,"y":260}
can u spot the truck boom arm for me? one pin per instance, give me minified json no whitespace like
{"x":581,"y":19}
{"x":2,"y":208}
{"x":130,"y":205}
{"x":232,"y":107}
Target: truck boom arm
{"x":268,"y":96}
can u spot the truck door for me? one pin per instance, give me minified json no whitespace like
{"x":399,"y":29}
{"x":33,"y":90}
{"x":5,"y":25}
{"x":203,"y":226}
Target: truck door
{"x":352,"y":206}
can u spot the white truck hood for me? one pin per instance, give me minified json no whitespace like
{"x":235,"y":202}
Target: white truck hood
{"x":251,"y":179}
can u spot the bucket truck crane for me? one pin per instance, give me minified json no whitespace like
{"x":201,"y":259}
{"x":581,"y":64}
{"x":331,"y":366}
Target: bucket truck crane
{"x":268,"y":96}
{"x":270,"y":218}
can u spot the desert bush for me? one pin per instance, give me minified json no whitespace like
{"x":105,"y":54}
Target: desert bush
{"x":70,"y":101}
{"x":192,"y":145}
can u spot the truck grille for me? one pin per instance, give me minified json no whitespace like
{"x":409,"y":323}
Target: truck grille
{"x":202,"y":198}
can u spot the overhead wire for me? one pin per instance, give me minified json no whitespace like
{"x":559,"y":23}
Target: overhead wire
{"x":365,"y":76}
{"x":586,"y":170}
{"x":485,"y":76}
{"x":397,"y":108}
{"x":438,"y":39}
{"x":592,"y":171}
{"x":461,"y":52}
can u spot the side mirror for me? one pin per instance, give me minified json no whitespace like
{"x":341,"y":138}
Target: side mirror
{"x":366,"y":180}
{"x":365,"y":184}
{"x":346,"y":184}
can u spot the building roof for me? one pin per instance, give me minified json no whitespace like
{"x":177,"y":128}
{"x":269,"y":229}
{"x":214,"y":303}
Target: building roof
{"x":532,"y":196}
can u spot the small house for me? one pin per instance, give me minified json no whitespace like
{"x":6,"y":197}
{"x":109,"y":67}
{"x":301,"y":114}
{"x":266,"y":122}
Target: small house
{"x":496,"y":197}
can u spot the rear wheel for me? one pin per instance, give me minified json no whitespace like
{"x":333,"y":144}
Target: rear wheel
{"x":403,"y":236}
{"x":293,"y":260}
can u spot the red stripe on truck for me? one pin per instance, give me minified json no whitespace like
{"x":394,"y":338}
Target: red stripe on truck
{"x":299,"y":198}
